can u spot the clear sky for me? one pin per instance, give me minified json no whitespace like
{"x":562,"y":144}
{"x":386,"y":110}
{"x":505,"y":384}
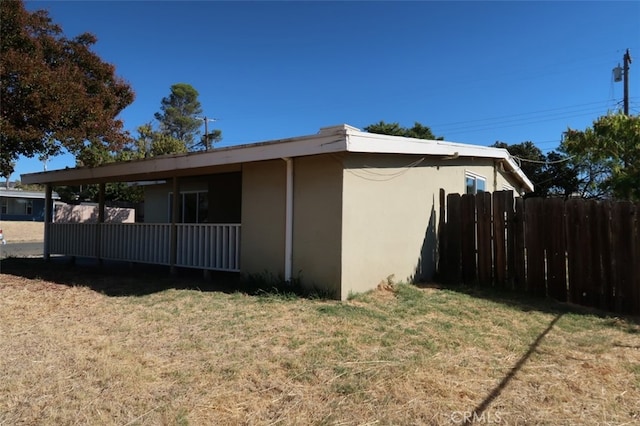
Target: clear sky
{"x":475,"y":72}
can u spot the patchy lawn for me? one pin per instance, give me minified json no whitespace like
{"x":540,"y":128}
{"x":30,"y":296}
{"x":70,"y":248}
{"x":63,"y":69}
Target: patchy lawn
{"x":70,"y":353}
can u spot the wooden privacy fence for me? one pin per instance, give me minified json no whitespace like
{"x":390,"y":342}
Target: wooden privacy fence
{"x":580,"y":251}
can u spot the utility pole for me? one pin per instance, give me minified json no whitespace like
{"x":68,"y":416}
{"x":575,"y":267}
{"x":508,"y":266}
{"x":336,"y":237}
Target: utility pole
{"x":206,"y":130}
{"x":619,"y":74}
{"x":627,"y":61}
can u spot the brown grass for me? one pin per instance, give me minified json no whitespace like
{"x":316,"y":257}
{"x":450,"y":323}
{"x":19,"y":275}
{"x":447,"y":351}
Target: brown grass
{"x":69,"y":354}
{"x":15,"y":231}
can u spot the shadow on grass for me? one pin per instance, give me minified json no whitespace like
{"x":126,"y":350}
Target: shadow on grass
{"x":478,"y":411}
{"x":114,"y":278}
{"x":527,"y":303}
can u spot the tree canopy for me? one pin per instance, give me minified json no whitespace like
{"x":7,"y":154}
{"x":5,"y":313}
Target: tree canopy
{"x":607,"y":156}
{"x":418,"y":130}
{"x":56,"y":92}
{"x":551,"y":174}
{"x":179,"y":115}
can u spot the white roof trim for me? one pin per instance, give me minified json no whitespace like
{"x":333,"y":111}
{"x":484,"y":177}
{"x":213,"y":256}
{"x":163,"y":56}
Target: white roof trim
{"x":332,"y":139}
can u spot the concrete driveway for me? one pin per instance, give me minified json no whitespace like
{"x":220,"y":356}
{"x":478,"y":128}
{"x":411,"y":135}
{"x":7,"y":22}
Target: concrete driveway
{"x":31,"y":249}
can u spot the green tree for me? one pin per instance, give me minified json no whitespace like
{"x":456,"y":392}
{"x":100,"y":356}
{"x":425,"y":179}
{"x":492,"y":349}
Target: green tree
{"x":607,"y":156}
{"x":151,"y":143}
{"x":179,"y":115}
{"x":551,"y":174}
{"x":54,"y":89}
{"x":418,"y":130}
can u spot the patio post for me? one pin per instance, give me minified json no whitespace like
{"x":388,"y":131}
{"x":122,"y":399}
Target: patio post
{"x":48,"y":215}
{"x":100,"y":222}
{"x":175,"y":211}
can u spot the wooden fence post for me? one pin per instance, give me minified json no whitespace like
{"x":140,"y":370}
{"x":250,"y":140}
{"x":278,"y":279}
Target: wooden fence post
{"x":499,"y":240}
{"x":554,"y":222}
{"x":483,"y":210}
{"x":534,"y":236}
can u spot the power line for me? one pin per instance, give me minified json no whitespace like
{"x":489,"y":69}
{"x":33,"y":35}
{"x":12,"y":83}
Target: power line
{"x":518,"y":115}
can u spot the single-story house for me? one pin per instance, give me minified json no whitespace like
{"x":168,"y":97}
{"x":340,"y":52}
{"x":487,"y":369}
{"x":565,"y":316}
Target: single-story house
{"x":342,"y":210}
{"x":19,"y":205}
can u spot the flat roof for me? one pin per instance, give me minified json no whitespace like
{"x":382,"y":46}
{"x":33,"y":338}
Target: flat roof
{"x":333,"y":139}
{"x":17,"y":193}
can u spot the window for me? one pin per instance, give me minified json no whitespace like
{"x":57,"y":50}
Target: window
{"x":4,"y":206}
{"x":474,"y":183}
{"x":193,"y":207}
{"x":28,"y":207}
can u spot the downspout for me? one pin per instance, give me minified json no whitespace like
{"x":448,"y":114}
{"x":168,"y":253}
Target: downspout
{"x":288,"y":230}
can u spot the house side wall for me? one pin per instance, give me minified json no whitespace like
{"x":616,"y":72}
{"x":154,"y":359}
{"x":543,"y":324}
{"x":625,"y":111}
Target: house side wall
{"x":16,"y":209}
{"x":317,"y":222}
{"x":263,"y":217}
{"x":390,"y":214}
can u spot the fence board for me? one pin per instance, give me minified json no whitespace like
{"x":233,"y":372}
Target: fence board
{"x":635,"y":256}
{"x":589,"y":285}
{"x":533,"y":211}
{"x":604,"y":240}
{"x":468,"y":238}
{"x":574,"y":267}
{"x":520,"y":278}
{"x":624,"y":255}
{"x":499,"y":239}
{"x":483,"y":210}
{"x":453,"y":240}
{"x":585,"y":252}
{"x":510,"y":239}
{"x":555,"y":249}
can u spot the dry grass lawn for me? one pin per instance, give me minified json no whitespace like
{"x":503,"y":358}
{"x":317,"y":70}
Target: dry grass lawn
{"x":70,"y":354}
{"x":19,"y":232}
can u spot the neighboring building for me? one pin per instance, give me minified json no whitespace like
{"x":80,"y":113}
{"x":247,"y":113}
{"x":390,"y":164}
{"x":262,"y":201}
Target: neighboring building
{"x":88,"y":213}
{"x":343,"y":209}
{"x":18,"y":205}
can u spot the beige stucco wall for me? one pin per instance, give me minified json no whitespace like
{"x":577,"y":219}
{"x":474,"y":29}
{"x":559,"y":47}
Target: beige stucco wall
{"x":263,"y":217}
{"x":390,"y":215}
{"x":317,"y":223}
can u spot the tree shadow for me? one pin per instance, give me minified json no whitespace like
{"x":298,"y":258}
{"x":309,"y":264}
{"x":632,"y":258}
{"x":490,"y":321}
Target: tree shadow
{"x":81,"y":213}
{"x":478,"y":411}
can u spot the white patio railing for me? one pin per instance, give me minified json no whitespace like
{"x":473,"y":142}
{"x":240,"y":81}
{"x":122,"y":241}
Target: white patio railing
{"x":204,"y":246}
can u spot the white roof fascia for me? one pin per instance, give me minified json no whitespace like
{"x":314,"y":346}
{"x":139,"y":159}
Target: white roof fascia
{"x":30,"y":194}
{"x":330,"y":139}
{"x":327,"y":142}
{"x":364,"y":142}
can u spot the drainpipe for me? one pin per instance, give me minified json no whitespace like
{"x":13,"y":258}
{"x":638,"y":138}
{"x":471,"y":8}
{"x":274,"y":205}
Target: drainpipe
{"x":288,"y":230}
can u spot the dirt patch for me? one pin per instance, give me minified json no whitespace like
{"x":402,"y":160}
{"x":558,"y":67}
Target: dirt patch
{"x":15,"y":231}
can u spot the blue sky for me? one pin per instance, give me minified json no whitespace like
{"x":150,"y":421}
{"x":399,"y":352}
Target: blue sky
{"x":475,"y":72}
